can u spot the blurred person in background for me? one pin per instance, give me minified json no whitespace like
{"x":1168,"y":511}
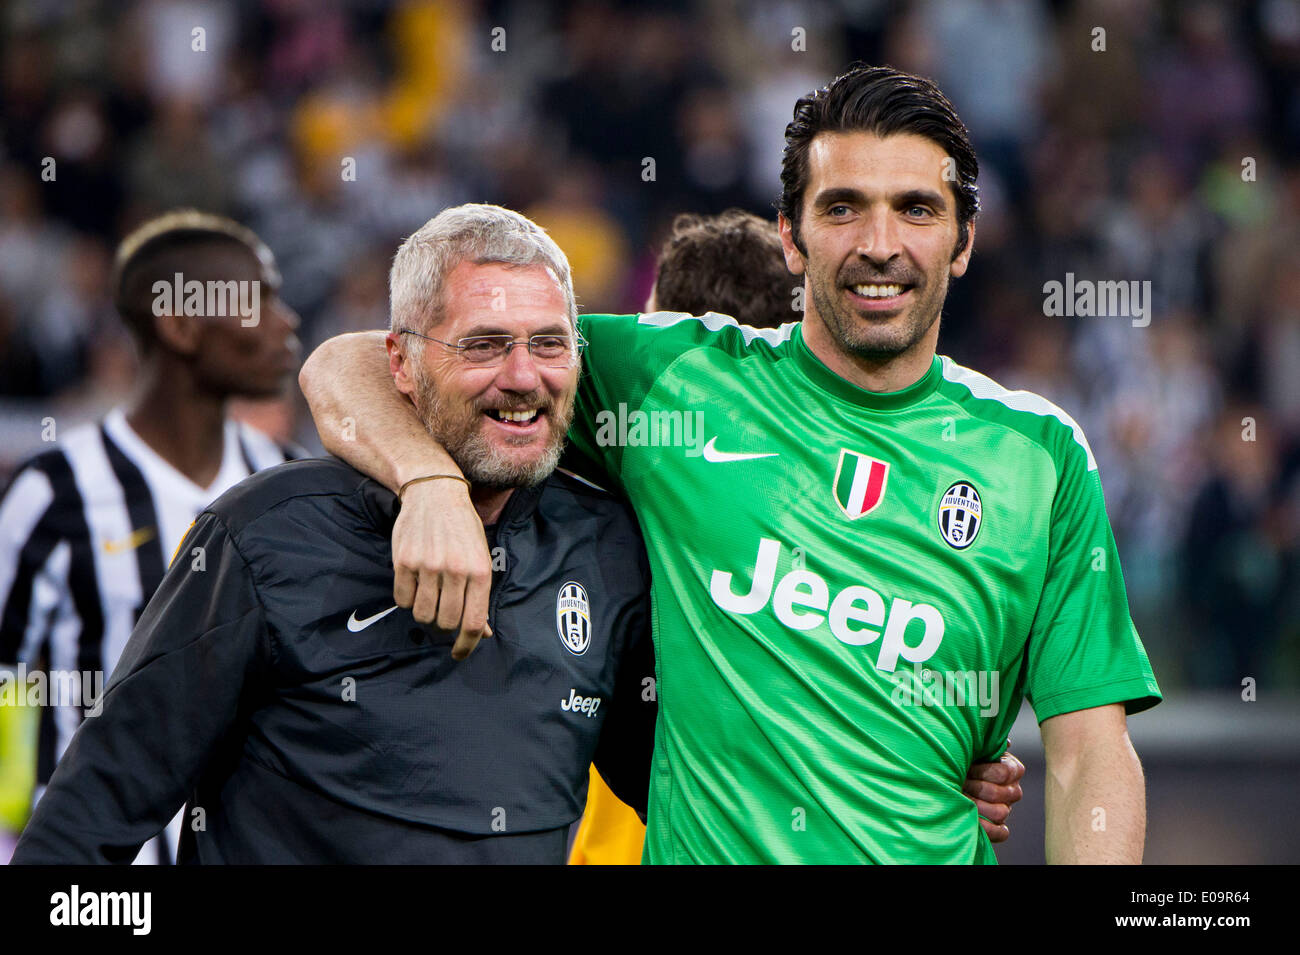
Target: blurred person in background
{"x":572,"y":214}
{"x":990,"y":56}
{"x":1239,"y":553}
{"x":731,"y":264}
{"x":87,"y":527}
{"x":28,"y":243}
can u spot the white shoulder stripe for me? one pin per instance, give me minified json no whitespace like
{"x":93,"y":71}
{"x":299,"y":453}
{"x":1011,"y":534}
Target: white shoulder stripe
{"x":982,"y":386}
{"x":715,"y":321}
{"x":52,"y":619}
{"x":22,"y":508}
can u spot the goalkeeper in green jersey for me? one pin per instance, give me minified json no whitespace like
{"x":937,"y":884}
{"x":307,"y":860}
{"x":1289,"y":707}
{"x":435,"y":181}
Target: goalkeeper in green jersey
{"x":865,"y":556}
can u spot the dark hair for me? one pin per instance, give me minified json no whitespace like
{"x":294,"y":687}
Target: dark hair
{"x":730,"y":263}
{"x":171,"y":243}
{"x":884,"y":101}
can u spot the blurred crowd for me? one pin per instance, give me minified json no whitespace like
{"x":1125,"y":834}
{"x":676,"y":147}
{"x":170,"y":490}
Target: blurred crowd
{"x":1118,"y":139}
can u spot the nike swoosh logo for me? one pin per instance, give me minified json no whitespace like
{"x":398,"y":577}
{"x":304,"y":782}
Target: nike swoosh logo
{"x":131,"y":541}
{"x":356,"y":626}
{"x":714,"y":456}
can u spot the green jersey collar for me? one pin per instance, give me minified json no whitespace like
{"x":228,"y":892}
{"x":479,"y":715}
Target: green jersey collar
{"x":827,"y":380}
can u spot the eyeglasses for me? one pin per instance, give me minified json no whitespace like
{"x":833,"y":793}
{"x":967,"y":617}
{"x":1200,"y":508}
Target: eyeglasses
{"x":555,"y":351}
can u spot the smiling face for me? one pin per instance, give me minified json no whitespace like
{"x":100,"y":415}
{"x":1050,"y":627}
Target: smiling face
{"x":504,"y":425}
{"x":879,"y":226}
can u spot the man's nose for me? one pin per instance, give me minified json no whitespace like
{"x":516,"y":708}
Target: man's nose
{"x":879,"y":239}
{"x":518,"y":371}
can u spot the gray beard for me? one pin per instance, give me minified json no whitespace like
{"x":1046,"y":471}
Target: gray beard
{"x":484,"y":464}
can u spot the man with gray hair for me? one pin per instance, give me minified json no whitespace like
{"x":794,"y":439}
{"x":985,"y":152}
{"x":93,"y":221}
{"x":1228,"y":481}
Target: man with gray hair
{"x":274,"y":687}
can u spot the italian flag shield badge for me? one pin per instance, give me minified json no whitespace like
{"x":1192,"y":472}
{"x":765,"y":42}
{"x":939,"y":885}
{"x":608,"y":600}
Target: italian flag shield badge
{"x":859,"y":483}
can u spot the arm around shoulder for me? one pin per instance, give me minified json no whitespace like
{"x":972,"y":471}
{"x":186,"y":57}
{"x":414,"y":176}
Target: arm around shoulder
{"x":362,"y":417}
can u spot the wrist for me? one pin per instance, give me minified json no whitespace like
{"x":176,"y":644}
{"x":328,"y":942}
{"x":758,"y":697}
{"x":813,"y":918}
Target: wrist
{"x":429,"y":478}
{"x":414,"y":466}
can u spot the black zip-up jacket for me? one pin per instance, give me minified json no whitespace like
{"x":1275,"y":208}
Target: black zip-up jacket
{"x":269,"y":684}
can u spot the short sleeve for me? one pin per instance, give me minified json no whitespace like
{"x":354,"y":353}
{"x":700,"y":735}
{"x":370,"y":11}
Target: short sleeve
{"x":1083,"y":649}
{"x":626,"y":354}
{"x":610,"y":377}
{"x":29,"y":534}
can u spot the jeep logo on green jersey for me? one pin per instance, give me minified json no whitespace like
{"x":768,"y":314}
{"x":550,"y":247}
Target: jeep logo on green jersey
{"x":801,"y":601}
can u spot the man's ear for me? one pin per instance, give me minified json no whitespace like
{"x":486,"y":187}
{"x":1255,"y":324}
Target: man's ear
{"x":178,"y":333}
{"x":397,"y":363}
{"x":962,"y":260}
{"x":793,"y":257}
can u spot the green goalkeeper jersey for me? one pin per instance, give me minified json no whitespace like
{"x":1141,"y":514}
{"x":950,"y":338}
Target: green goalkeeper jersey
{"x":853,"y":591}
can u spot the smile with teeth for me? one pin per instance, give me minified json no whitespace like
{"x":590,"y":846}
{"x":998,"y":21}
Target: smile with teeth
{"x":517,"y":417}
{"x":877,"y":291}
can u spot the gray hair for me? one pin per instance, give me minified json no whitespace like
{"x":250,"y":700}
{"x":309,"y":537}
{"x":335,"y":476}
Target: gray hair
{"x":474,"y":232}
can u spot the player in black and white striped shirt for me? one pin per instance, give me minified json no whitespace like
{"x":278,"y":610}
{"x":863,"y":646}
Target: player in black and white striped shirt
{"x":87,"y":528}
